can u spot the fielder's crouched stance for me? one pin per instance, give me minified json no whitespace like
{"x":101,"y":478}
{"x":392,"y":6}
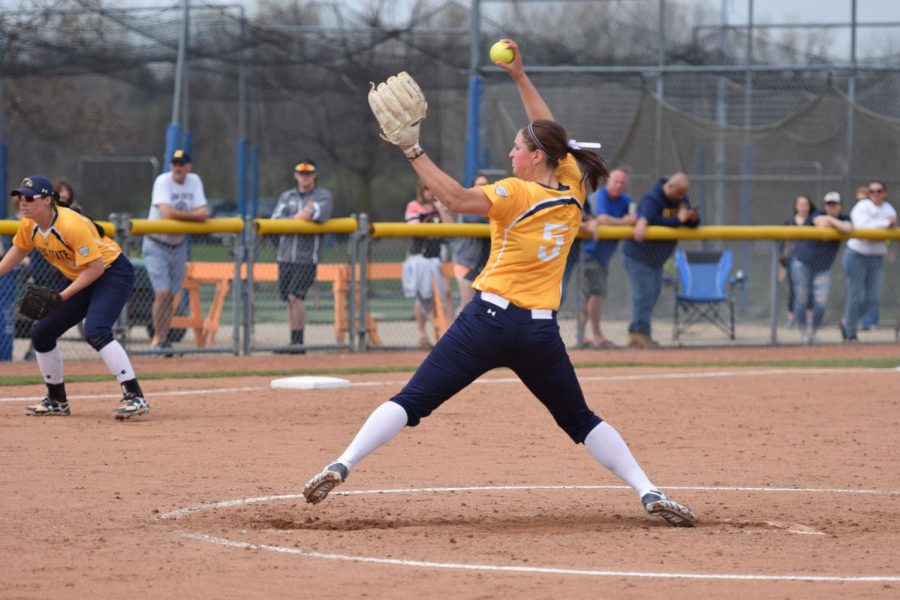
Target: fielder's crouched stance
{"x":101,"y":279}
{"x":511,"y":322}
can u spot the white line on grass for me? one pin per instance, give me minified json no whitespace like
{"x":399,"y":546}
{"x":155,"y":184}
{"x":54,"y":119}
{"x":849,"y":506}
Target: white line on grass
{"x":494,"y":380}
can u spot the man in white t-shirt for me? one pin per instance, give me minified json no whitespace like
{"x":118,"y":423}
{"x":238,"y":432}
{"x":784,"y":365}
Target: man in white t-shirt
{"x":864,"y":259}
{"x":177,"y":194}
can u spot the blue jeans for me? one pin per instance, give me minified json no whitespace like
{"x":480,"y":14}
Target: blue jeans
{"x":646,"y":283}
{"x":809,"y":285}
{"x":864,"y":277}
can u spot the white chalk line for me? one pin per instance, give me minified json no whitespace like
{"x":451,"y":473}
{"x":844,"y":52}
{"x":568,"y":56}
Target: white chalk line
{"x":202,"y":537}
{"x":542,"y":570}
{"x":495,"y":380}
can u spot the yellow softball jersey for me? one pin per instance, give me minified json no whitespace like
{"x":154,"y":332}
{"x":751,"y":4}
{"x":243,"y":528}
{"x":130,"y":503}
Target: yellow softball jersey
{"x":532,"y":229}
{"x":69,"y":243}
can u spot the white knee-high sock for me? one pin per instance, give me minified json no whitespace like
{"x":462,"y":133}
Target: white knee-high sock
{"x":609,"y":449}
{"x":51,"y":365}
{"x":116,"y":360}
{"x":384,"y":423}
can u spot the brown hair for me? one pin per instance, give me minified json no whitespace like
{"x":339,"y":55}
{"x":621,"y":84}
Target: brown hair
{"x":552,"y":138}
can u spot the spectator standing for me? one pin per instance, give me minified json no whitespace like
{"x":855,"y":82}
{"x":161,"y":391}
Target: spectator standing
{"x":611,"y":206}
{"x":803,"y":209}
{"x":864,"y":259}
{"x":811,"y":262}
{"x":177,"y":194}
{"x":665,"y":204}
{"x":469,"y":253}
{"x":299,"y":255}
{"x":869,"y":319}
{"x":423,"y":265}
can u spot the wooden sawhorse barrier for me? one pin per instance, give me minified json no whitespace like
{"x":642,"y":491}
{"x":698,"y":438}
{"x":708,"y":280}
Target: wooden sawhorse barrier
{"x":220,"y":274}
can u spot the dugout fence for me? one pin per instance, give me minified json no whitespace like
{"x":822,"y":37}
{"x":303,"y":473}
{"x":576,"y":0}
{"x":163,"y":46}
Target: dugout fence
{"x":230,"y":302}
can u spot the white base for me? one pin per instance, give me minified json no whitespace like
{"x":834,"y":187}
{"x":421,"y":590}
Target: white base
{"x":309,"y":382}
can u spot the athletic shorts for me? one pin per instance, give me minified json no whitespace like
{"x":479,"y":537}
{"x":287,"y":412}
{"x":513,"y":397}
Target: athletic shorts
{"x":420,"y":275}
{"x":165,"y":264}
{"x":295,"y":279}
{"x":595,"y":276}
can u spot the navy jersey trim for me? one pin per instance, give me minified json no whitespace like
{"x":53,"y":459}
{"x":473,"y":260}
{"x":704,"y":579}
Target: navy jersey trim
{"x":547,"y":204}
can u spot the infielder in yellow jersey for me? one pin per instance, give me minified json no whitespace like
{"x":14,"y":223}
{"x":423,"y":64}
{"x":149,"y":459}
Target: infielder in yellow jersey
{"x":101,"y":279}
{"x":511,"y":322}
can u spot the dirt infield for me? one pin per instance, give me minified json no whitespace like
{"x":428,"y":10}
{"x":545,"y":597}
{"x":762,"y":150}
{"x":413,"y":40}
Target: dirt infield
{"x":793,"y":472}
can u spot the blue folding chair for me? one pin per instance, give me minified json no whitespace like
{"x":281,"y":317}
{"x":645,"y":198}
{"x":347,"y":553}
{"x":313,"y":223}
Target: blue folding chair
{"x":704,"y":288}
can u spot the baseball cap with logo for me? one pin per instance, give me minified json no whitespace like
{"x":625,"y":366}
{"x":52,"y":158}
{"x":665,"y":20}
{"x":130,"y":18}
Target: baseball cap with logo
{"x":180,"y":156}
{"x":36,"y":185}
{"x":305,"y":166}
{"x":832,"y":197}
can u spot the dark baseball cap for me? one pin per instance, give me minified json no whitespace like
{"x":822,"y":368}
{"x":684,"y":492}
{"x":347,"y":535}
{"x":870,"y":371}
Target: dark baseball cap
{"x":180,"y":156}
{"x":306,"y":166}
{"x":36,"y":185}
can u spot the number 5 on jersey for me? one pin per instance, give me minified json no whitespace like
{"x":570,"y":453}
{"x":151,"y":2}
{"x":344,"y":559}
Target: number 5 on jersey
{"x":554,"y":233}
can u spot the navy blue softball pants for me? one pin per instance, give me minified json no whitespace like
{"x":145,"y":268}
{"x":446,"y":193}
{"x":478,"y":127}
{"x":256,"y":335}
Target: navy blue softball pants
{"x":99,"y":304}
{"x":486,"y":336}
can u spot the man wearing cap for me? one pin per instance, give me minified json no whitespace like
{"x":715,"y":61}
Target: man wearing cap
{"x":811,"y":262}
{"x":177,"y":194}
{"x":298,"y":254}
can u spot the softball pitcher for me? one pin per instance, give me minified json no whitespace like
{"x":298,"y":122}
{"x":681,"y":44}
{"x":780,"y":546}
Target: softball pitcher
{"x":511,"y":322}
{"x":100,"y":277}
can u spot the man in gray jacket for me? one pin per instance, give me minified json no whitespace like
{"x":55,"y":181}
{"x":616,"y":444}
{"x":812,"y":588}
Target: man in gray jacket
{"x":298,"y":254}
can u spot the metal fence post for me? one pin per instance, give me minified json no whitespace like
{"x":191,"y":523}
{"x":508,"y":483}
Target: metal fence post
{"x":239,"y":251}
{"x":246,"y":298}
{"x":773,"y":292}
{"x":351,"y":289}
{"x":363,"y":232}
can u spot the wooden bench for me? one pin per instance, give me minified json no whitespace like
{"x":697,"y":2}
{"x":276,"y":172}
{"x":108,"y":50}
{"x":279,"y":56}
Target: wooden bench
{"x":220,"y":274}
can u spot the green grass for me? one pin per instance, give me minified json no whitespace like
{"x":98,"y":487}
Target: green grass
{"x":872,"y":363}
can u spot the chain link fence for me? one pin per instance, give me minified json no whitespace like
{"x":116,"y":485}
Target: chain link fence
{"x":226,"y":307}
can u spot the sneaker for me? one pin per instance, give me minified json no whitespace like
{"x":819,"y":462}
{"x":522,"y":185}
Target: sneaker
{"x":132,"y":405}
{"x":317,"y":488}
{"x":48,"y":408}
{"x":846,"y":335}
{"x":673,"y":513}
{"x":291,"y":349}
{"x":164,"y":349}
{"x":641,"y":340}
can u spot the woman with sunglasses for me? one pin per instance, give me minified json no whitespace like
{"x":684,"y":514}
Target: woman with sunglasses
{"x":511,"y":322}
{"x":100,"y":282}
{"x":864,"y":259}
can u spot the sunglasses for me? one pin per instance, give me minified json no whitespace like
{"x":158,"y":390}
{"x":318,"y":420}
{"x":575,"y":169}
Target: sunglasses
{"x":876,"y":191}
{"x":305,"y":168}
{"x":29,"y":198}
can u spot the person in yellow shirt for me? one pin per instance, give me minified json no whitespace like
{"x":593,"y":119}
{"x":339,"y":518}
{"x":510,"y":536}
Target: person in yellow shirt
{"x":100,"y":281}
{"x":534,"y":217}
